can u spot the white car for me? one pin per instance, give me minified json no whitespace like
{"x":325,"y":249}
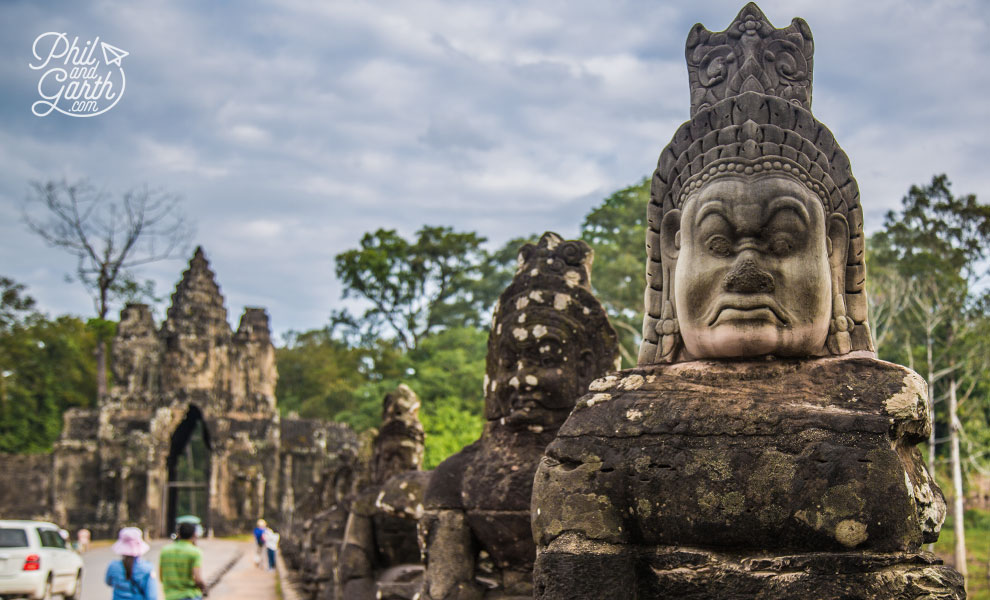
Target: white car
{"x":36,"y":562}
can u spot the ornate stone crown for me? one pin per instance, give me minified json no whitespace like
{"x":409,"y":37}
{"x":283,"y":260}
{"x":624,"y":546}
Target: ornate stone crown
{"x":553,"y":274}
{"x":750,"y":56}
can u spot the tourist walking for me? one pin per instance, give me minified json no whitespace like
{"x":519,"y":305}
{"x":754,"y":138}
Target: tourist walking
{"x":131,"y":577}
{"x":82,"y":539}
{"x":259,"y":538}
{"x":181,"y":566}
{"x":271,"y":545}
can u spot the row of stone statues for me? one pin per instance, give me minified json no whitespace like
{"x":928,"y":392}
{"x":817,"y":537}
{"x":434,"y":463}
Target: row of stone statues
{"x":550,"y":338}
{"x":758,"y":450}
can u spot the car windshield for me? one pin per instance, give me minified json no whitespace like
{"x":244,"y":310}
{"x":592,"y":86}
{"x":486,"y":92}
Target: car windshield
{"x":13,"y":538}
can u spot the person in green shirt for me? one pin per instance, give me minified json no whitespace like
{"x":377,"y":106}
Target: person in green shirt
{"x":181,"y":567}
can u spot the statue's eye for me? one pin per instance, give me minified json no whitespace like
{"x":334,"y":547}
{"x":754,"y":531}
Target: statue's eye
{"x":550,"y":354}
{"x":719,"y":246}
{"x":507,"y":356}
{"x":781,"y":245}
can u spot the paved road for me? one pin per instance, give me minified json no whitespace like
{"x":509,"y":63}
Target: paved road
{"x":216,"y":555}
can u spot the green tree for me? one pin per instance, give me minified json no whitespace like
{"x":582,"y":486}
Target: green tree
{"x":414,"y":288}
{"x":616,"y":230}
{"x":317,"y":374}
{"x":15,"y":305}
{"x":46,"y":367}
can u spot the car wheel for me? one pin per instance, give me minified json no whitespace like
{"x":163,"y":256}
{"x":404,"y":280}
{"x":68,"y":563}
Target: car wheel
{"x":76,"y":591}
{"x":47,"y":593}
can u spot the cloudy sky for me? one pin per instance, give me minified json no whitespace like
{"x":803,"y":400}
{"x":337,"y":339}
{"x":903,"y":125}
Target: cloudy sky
{"x":292,"y":127}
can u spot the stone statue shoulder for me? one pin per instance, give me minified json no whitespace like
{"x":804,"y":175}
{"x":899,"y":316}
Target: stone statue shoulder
{"x":402,"y":495}
{"x":444,"y":489}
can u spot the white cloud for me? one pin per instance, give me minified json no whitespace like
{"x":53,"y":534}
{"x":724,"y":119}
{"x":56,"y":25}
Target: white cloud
{"x":176,"y":158}
{"x":248,"y":134}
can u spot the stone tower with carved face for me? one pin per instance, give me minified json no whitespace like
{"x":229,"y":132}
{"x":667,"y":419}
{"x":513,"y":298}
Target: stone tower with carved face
{"x":191,"y":425}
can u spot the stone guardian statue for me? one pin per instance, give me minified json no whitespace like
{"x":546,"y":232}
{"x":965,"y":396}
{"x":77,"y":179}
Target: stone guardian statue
{"x":550,"y":338}
{"x":379,"y":557}
{"x":759,"y":449}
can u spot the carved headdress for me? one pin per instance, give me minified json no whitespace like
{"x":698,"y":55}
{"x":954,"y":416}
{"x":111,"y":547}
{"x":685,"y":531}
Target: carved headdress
{"x":751,"y":113}
{"x":398,"y":447}
{"x":552,"y":287}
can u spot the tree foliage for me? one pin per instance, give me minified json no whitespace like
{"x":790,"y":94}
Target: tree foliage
{"x":616,"y":230}
{"x":414,"y":288}
{"x":14,"y":303}
{"x":46,"y":366}
{"x":318,"y":374}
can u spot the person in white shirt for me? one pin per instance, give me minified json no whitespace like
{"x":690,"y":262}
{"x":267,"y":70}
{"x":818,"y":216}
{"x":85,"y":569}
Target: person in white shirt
{"x":271,"y":545}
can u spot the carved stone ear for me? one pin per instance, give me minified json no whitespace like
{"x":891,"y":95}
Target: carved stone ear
{"x":670,"y":229}
{"x":838,"y":238}
{"x":586,"y":366}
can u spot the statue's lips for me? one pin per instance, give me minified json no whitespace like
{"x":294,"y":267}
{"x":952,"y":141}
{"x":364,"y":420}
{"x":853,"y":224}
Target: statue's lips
{"x":756,"y":309}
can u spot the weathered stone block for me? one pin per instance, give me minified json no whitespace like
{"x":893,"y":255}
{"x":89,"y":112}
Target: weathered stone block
{"x":758,"y":475}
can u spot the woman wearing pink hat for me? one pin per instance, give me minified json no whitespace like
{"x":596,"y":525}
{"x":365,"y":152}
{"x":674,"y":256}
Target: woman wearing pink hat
{"x":131,"y":577}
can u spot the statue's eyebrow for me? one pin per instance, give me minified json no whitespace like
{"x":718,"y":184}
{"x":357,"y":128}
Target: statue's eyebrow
{"x":714,"y":206}
{"x":788,"y":202}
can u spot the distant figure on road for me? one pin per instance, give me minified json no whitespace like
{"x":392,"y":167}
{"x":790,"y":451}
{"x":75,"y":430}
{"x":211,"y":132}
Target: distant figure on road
{"x":271,"y":544}
{"x":82,"y":540}
{"x":131,"y":577}
{"x":181,"y":566}
{"x":259,"y":538}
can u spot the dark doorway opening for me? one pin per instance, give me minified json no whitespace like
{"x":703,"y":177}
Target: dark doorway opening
{"x":188,"y":491}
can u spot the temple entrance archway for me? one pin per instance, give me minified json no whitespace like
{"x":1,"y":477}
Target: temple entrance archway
{"x":188,"y":488}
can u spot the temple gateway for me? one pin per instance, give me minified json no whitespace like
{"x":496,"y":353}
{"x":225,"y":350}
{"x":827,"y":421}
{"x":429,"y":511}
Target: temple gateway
{"x":190,"y":426}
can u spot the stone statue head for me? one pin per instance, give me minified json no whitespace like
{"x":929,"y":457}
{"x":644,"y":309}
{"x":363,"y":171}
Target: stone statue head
{"x":398,"y":447}
{"x":550,"y":337}
{"x":755,"y":239}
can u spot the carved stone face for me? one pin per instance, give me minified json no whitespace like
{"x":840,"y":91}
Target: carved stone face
{"x":539,"y":371}
{"x":754,"y":273}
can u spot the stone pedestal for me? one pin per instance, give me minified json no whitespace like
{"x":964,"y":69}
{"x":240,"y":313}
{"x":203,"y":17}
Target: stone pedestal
{"x":743,"y":479}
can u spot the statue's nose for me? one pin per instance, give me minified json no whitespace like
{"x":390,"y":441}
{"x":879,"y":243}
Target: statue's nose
{"x":747,"y":278}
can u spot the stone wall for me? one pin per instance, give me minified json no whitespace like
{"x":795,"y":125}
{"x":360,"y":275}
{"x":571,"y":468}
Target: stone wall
{"x":26,"y":491}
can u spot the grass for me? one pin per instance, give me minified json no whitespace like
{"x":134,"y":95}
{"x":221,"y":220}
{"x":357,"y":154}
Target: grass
{"x":977,"y":551}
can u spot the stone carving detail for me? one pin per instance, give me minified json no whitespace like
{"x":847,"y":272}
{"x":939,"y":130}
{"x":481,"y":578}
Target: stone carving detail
{"x":550,"y":338}
{"x":791,"y":470}
{"x":379,"y":557}
{"x":750,"y":56}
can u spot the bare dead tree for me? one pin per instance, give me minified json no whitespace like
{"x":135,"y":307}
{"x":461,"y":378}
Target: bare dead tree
{"x":109,"y":237}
